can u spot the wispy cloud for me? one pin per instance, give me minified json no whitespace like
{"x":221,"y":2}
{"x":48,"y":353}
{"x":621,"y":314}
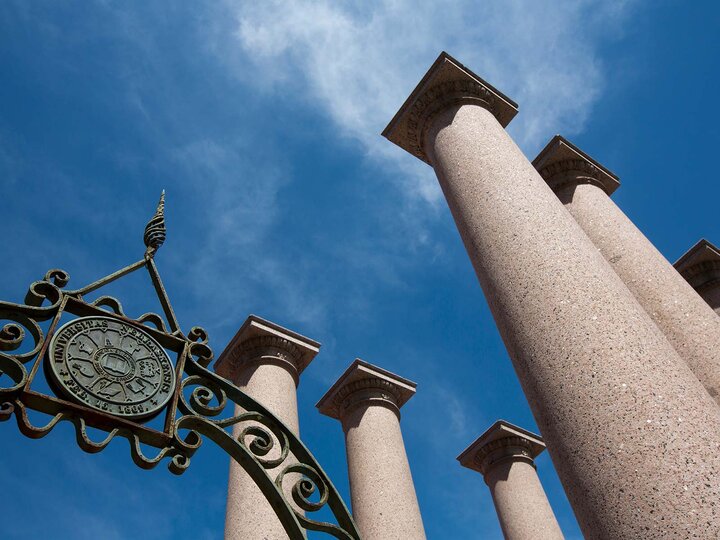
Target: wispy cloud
{"x":238,"y":209}
{"x":357,"y":64}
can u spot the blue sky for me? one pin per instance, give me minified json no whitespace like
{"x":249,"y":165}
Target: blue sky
{"x":262,"y":122}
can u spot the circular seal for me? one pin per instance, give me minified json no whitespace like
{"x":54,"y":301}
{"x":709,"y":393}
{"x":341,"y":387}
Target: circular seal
{"x":111,"y":366}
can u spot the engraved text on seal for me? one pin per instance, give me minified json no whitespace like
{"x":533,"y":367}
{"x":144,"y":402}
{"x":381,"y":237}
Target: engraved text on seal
{"x":111,"y":366}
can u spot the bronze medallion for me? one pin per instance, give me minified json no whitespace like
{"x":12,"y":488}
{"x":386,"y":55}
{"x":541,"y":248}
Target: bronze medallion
{"x":111,"y":366}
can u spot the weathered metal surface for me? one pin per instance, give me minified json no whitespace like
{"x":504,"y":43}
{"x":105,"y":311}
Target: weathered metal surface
{"x":111,"y":366}
{"x":123,"y":376}
{"x":155,"y":231}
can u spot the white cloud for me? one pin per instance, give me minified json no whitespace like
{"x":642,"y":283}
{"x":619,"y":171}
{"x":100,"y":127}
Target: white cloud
{"x":238,"y":196}
{"x":359,"y":62}
{"x":355,"y":63}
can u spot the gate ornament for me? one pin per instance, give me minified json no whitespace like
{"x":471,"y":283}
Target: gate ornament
{"x":111,"y":366}
{"x":115,"y":373}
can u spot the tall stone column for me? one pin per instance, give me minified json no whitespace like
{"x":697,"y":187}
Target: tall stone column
{"x":265,"y":361}
{"x":701,"y":269}
{"x":505,"y":456}
{"x":367,"y":400}
{"x":633,"y":434}
{"x":584,"y":187}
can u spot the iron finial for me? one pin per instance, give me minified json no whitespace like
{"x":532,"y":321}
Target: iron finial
{"x":155,"y":231}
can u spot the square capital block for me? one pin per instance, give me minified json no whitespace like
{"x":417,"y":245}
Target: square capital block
{"x":700,"y":265}
{"x":500,"y":435}
{"x":363,"y":381}
{"x":446,"y":83}
{"x":561,"y":163}
{"x":258,"y":340}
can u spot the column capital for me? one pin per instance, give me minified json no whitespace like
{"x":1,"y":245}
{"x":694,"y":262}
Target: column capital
{"x":561,"y":163}
{"x":700,"y":266}
{"x":503,"y":441}
{"x":263,"y":342}
{"x":364,"y":383}
{"x":446,"y":83}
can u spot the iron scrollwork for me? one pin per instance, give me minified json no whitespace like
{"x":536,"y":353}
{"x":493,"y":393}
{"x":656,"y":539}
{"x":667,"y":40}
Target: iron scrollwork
{"x":277,"y":461}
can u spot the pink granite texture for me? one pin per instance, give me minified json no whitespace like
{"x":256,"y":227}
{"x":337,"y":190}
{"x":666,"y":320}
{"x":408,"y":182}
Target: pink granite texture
{"x":505,"y":456}
{"x":367,"y":401}
{"x":633,"y":434}
{"x":584,"y":187}
{"x":264,"y":360}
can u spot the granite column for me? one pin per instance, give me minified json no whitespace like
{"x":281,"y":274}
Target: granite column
{"x":265,"y":361}
{"x":367,"y":400}
{"x":633,"y":434}
{"x":700,"y":267}
{"x":584,"y":187}
{"x":505,"y":456}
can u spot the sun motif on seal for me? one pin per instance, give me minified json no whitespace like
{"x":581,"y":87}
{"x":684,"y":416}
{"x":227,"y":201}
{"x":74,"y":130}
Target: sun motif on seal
{"x":111,"y":366}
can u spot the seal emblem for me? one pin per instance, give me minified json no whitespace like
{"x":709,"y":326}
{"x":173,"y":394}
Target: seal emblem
{"x":111,"y":366}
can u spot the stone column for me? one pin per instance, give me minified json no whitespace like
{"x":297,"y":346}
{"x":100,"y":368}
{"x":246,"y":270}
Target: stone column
{"x":584,"y":187}
{"x":505,"y":456}
{"x":701,"y":269}
{"x":265,"y":361}
{"x":633,"y":434}
{"x":367,"y":400}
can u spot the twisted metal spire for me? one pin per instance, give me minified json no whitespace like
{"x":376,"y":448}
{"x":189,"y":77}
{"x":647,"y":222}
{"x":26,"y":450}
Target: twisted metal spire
{"x":155,"y":231}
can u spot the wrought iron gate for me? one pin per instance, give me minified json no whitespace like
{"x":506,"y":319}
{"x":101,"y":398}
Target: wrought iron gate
{"x":114,"y":373}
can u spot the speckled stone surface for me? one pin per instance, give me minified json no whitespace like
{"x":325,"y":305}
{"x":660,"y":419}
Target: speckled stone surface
{"x":367,"y":400}
{"x":265,"y":361}
{"x":700,"y":267}
{"x":447,"y":81}
{"x":632,"y":433}
{"x":690,"y":325}
{"x":505,"y":456}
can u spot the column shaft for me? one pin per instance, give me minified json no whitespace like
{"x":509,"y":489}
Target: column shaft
{"x":691,"y":326}
{"x":632,"y":432}
{"x":367,"y":400}
{"x":520,"y":501}
{"x":505,"y":455}
{"x":248,"y":515}
{"x":265,"y":361}
{"x":382,"y":492}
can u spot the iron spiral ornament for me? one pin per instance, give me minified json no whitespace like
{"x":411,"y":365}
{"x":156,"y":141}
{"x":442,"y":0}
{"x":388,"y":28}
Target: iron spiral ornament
{"x":67,"y":358}
{"x":155,"y":232}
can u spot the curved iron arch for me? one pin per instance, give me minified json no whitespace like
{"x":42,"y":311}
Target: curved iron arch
{"x":195,"y":410}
